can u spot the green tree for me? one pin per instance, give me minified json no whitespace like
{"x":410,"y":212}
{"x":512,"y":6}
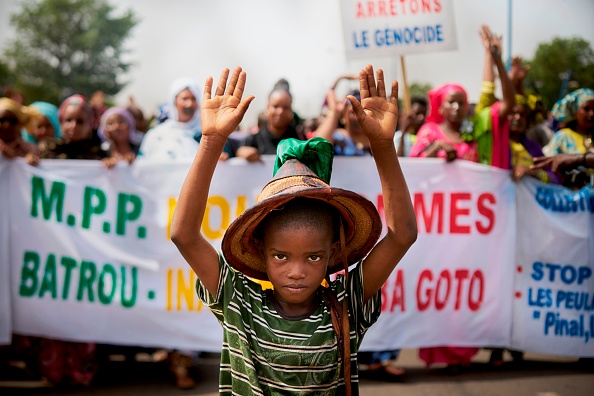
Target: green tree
{"x":552,"y":60}
{"x":68,"y":46}
{"x":419,"y":89}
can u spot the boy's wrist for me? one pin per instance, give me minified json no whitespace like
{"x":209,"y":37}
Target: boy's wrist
{"x":213,"y":141}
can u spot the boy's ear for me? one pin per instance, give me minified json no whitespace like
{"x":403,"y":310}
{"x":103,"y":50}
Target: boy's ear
{"x":259,"y":246}
{"x":334,"y":252}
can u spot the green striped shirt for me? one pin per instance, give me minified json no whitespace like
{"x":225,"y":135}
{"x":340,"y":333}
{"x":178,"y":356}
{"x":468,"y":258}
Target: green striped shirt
{"x":266,"y":354}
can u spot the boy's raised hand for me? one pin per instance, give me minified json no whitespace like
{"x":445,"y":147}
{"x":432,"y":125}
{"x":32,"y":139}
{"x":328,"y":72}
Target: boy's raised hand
{"x":221,"y":114}
{"x":376,"y":114}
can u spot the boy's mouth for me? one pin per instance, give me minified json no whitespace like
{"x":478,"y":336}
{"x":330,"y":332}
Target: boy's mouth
{"x":294,"y":288}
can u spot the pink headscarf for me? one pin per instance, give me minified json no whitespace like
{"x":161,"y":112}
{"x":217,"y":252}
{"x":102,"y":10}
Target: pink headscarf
{"x":436,"y":98}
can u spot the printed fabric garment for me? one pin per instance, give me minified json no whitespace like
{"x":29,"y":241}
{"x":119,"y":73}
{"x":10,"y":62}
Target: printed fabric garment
{"x":87,"y":149}
{"x":345,"y":145}
{"x":267,"y":354}
{"x":565,"y":141}
{"x":431,"y":132}
{"x":171,"y":140}
{"x":524,"y":152}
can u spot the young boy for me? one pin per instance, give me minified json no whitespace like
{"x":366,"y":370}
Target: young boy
{"x":291,"y":340}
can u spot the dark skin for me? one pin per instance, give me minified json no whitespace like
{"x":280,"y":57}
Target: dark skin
{"x":297,"y":260}
{"x":376,"y":113}
{"x":12,"y":144}
{"x":585,"y":118}
{"x":518,"y":122}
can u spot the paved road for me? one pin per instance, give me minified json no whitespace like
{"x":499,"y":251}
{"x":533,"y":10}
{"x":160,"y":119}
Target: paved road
{"x":538,"y":376}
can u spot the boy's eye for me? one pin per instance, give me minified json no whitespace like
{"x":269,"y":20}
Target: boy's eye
{"x":280,"y":256}
{"x":314,"y":257}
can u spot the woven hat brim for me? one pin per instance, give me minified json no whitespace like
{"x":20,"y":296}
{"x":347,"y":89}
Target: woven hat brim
{"x":360,"y":219}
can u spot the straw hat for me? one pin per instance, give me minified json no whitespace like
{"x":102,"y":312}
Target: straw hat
{"x":360,"y":219}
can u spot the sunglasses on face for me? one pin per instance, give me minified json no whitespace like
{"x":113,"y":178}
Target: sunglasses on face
{"x":10,"y":120}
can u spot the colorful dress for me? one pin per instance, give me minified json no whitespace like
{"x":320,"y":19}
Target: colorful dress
{"x":265,"y":352}
{"x":566,"y":141}
{"x":431,"y":132}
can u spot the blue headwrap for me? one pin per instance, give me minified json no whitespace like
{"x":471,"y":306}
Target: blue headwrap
{"x":51,"y":112}
{"x":565,"y":109}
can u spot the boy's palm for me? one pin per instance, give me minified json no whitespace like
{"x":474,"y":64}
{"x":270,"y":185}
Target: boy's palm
{"x":376,"y":114}
{"x":221,"y":114}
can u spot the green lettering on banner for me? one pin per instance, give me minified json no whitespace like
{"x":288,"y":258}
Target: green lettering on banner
{"x":123,"y":214}
{"x":48,"y":283}
{"x":92,"y":206}
{"x":48,"y":204}
{"x":29,"y":274}
{"x":107,"y":270}
{"x":88,"y":272}
{"x":131,"y":301}
{"x":68,"y":264}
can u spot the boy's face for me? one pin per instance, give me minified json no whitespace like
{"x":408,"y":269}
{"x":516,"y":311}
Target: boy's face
{"x":297,"y":258}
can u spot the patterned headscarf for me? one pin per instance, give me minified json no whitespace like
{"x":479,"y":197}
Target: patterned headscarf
{"x":436,"y":98}
{"x":565,"y":109}
{"x":75,"y":101}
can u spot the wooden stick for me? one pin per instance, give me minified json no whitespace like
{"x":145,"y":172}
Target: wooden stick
{"x":407,"y":104}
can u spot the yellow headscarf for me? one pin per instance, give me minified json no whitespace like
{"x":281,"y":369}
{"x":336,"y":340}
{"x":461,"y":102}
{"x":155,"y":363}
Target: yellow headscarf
{"x":22,"y":113}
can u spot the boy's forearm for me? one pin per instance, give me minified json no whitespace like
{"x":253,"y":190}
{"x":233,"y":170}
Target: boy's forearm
{"x":193,"y":196}
{"x":398,"y":209}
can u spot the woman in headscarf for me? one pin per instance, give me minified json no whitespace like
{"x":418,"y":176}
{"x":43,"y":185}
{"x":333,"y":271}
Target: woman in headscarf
{"x":78,"y":140}
{"x":117,"y":129}
{"x":45,"y":125}
{"x":576,"y":111}
{"x":14,"y":117}
{"x":447,"y":133}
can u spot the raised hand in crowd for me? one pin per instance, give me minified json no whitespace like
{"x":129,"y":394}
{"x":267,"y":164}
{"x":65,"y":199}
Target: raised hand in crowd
{"x":376,"y":113}
{"x":220,"y":114}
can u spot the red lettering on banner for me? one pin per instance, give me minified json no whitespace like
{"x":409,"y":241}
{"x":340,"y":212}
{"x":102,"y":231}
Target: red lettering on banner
{"x":436,"y":211}
{"x":423,"y":304}
{"x":439,"y":294}
{"x":389,"y":303}
{"x":487,"y":212}
{"x":456,"y":212}
{"x":388,"y":8}
{"x":461,"y":205}
{"x":474,"y":305}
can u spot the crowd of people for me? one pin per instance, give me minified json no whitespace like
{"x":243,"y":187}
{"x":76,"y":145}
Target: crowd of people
{"x":515,"y":132}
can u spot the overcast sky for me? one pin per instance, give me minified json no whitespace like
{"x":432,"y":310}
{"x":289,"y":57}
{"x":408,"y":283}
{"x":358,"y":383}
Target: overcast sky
{"x":302,"y":41}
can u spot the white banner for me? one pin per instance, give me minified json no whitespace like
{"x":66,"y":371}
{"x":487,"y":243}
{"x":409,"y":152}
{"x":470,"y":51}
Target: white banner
{"x":5,"y":303}
{"x":391,"y":27}
{"x":454,"y":287}
{"x":554,"y":289}
{"x":90,"y":257}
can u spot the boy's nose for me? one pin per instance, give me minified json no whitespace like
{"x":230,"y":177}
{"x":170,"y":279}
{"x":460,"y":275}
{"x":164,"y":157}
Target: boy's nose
{"x":296,"y":271}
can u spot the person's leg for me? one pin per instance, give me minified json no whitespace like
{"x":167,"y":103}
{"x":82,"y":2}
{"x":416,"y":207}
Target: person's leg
{"x":181,"y":362}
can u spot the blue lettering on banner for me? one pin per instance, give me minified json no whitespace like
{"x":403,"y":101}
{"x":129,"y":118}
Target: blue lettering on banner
{"x":565,"y":201}
{"x":558,"y":326}
{"x":361,"y":40}
{"x":567,"y":274}
{"x":390,"y":37}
